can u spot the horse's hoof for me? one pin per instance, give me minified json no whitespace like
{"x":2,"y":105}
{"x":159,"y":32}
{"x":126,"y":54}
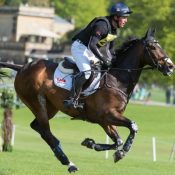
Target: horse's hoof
{"x":88,"y":143}
{"x":72,"y":169}
{"x":118,"y":155}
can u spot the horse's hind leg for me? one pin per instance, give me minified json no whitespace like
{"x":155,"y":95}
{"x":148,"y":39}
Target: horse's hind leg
{"x":41,"y":125}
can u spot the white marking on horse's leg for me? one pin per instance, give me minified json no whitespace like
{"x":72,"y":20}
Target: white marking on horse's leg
{"x":71,"y":164}
{"x":134,"y":126}
{"x":72,"y":167}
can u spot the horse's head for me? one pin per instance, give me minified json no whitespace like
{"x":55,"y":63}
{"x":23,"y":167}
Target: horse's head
{"x":155,"y":55}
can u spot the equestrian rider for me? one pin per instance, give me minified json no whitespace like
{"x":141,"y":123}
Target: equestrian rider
{"x":100,"y":32}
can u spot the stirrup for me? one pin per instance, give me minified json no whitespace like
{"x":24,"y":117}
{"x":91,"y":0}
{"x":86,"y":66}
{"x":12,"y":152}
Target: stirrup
{"x":77,"y":104}
{"x":71,"y":102}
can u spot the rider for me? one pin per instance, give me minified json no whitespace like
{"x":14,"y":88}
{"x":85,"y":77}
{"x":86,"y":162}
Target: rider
{"x":100,"y":32}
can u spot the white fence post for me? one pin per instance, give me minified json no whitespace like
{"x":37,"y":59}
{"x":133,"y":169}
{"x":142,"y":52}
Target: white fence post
{"x":107,"y":152}
{"x":172,"y":153}
{"x":154,"y":148}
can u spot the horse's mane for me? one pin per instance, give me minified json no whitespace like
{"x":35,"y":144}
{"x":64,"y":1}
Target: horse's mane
{"x":126,"y":44}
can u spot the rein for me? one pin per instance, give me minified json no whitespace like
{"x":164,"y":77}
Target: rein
{"x":137,"y":69}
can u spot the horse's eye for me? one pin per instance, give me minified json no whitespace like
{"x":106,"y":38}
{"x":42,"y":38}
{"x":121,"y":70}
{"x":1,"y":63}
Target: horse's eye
{"x":151,"y":46}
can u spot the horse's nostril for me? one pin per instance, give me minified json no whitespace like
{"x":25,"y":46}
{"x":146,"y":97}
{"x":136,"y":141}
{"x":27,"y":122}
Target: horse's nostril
{"x":170,"y":67}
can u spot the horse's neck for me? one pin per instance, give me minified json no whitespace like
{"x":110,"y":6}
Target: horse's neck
{"x":125,"y":80}
{"x":128,"y":71}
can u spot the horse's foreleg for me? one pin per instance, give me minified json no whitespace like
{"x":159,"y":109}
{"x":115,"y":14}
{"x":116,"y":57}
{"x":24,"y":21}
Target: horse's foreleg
{"x":132,"y":126}
{"x":133,"y":130}
{"x":112,"y":133}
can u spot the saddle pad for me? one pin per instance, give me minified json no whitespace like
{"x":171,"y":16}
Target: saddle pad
{"x":64,"y":81}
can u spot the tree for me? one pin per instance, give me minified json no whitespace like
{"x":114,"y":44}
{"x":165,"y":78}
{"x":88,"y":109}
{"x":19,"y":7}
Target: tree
{"x":43,"y":3}
{"x":13,"y":2}
{"x":7,"y":125}
{"x":81,"y":11}
{"x":2,"y":2}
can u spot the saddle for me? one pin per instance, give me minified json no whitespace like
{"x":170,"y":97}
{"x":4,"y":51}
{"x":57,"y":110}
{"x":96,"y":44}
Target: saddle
{"x":68,"y":66}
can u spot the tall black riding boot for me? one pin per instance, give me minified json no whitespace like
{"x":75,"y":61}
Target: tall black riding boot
{"x":77,"y":85}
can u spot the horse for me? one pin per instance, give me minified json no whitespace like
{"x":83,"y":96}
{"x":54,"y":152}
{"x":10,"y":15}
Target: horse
{"x":34,"y":86}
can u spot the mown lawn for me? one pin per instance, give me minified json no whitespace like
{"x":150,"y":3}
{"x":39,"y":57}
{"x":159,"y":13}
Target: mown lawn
{"x":31,"y":156}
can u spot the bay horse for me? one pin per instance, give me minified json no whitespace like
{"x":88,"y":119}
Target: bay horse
{"x":34,"y":86}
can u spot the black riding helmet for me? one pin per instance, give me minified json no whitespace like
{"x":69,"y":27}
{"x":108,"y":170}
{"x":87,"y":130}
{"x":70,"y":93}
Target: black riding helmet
{"x":120,"y":9}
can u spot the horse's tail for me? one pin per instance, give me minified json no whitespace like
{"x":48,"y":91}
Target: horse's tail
{"x":15,"y":67}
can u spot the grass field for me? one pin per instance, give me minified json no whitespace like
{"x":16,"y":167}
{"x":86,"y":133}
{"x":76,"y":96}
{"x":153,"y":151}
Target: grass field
{"x":31,"y":156}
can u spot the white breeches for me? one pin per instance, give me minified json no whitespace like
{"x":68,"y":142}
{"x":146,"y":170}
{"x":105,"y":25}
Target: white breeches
{"x":83,"y":56}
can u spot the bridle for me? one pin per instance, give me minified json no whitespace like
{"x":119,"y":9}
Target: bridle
{"x":155,"y":64}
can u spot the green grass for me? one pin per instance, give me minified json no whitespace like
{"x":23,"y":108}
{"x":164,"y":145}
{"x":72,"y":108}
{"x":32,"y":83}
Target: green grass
{"x":158,"y":94}
{"x":31,"y":156}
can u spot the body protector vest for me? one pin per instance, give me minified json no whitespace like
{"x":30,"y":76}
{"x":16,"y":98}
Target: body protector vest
{"x":85,"y":34}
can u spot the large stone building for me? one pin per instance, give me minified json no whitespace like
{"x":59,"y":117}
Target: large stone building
{"x":25,"y":31}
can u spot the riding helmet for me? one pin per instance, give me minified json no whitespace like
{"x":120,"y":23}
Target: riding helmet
{"x":120,"y":9}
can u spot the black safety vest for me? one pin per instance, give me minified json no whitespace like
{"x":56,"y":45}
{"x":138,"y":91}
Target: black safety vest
{"x":85,"y":34}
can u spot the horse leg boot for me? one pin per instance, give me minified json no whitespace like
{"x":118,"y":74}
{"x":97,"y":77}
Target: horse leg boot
{"x":77,"y":85}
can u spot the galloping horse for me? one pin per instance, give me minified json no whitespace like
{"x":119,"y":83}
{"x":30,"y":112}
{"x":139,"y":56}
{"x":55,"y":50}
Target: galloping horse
{"x":34,"y":86}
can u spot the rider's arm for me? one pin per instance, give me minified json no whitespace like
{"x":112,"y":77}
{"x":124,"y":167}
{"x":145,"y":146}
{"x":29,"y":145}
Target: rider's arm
{"x":99,"y":31}
{"x":93,"y":47}
{"x":112,"y":50}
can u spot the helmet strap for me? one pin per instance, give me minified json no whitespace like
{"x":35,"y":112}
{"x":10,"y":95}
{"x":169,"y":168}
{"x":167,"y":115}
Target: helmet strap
{"x":115,"y":22}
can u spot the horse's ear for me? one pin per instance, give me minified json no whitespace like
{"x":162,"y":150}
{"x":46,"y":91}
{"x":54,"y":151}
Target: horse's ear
{"x":153,"y":32}
{"x":150,"y":32}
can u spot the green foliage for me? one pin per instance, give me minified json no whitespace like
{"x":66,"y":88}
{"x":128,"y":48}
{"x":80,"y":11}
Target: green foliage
{"x":158,"y":14}
{"x":2,"y":2}
{"x":43,"y":3}
{"x":7,"y":98}
{"x":81,"y":11}
{"x":13,"y":2}
{"x":30,"y":2}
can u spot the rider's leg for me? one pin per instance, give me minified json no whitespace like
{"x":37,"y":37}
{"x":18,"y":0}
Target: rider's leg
{"x":81,"y":55}
{"x":77,"y":86}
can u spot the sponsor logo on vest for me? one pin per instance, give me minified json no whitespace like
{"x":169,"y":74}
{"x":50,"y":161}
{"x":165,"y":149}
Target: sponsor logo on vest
{"x":108,"y":38}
